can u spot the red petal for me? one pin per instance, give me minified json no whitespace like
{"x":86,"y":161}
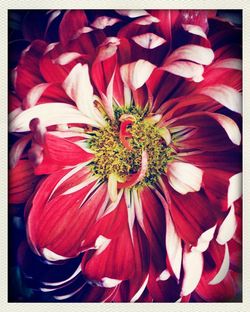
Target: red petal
{"x":58,"y":153}
{"x":72,"y":21}
{"x":21,"y":182}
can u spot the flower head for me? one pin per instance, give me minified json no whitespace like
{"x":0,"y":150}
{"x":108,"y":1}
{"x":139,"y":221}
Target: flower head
{"x":128,"y":148}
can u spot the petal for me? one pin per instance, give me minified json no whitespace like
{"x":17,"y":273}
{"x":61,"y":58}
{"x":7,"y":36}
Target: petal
{"x":76,"y":19}
{"x":132,"y":13}
{"x":194,"y":29}
{"x":184,"y":177}
{"x":227,"y":228}
{"x":149,"y":40}
{"x":186,"y":70}
{"x":193,"y":266}
{"x":223,"y":269}
{"x":204,"y":240}
{"x":134,"y":75}
{"x":225,"y":95}
{"x":102,"y":22}
{"x":235,"y":188}
{"x":83,"y":97}
{"x":49,"y":114}
{"x":22,"y":182}
{"x":232,"y":63}
{"x":191,"y":52}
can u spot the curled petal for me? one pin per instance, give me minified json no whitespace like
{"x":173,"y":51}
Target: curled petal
{"x":134,"y":75}
{"x":227,"y":228}
{"x":184,"y":177}
{"x":194,"y":29}
{"x":149,"y":40}
{"x":235,"y":188}
{"x":102,"y":22}
{"x":186,"y":70}
{"x":204,"y":240}
{"x":225,"y":95}
{"x":192,"y":52}
{"x":193,"y":266}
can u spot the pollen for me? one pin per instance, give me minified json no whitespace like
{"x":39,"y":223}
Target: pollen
{"x":113,"y":157}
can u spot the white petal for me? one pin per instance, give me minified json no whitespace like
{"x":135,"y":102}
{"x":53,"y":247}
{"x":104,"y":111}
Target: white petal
{"x":129,"y":199}
{"x":184,"y":177}
{"x":232,"y":63}
{"x":186,"y":70}
{"x":225,"y":95}
{"x":234,"y":189}
{"x":173,"y":246}
{"x":81,"y":185}
{"x":112,"y":187}
{"x":164,"y":276}
{"x":229,"y":126}
{"x":149,"y":40}
{"x":137,"y":73}
{"x":227,"y":228}
{"x":102,"y":22}
{"x":223,"y":269}
{"x":193,"y":266}
{"x":78,"y":270}
{"x":52,"y":256}
{"x":147,"y":20}
{"x":49,"y":114}
{"x":101,"y":244}
{"x":140,"y":291}
{"x":138,"y":209}
{"x":192,"y":52}
{"x":204,"y":240}
{"x":67,"y":57}
{"x":35,"y":93}
{"x":78,"y":87}
{"x":132,"y":13}
{"x":110,"y":282}
{"x":64,"y":297}
{"x":194,"y":29}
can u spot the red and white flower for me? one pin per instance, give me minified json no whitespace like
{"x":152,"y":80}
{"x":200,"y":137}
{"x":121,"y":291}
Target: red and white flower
{"x":128,"y":156}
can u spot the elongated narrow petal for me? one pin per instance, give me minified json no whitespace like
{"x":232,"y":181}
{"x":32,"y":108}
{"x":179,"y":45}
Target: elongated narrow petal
{"x":223,"y":269}
{"x":186,"y":70}
{"x":204,"y":240}
{"x":227,"y":228}
{"x":192,"y":52}
{"x":136,"y":74}
{"x":49,"y":114}
{"x":225,"y":95}
{"x":112,"y":186}
{"x":132,"y":13}
{"x":184,"y":177}
{"x":235,"y":188}
{"x":67,"y":57}
{"x":173,"y":246}
{"x":193,"y":266}
{"x":232,"y":63}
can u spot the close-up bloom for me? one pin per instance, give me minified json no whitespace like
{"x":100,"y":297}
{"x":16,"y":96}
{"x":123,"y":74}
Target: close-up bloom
{"x":125,"y":156}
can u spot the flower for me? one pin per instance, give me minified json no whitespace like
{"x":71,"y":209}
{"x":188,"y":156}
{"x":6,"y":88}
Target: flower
{"x":128,"y":149}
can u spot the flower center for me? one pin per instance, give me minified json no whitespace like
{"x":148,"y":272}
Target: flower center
{"x":118,"y":148}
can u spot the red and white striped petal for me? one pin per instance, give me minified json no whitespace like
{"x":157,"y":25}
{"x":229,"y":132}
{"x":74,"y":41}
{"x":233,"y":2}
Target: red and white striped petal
{"x":184,"y":177}
{"x":149,"y":40}
{"x":135,"y":74}
{"x":191,"y":52}
{"x":79,"y":88}
{"x":50,"y":114}
{"x":34,"y":94}
{"x":102,"y":22}
{"x":186,"y":69}
{"x":195,"y":29}
{"x":173,"y":246}
{"x":231,"y":63}
{"x":67,"y":57}
{"x":204,"y":240}
{"x":225,"y":95}
{"x":193,"y":267}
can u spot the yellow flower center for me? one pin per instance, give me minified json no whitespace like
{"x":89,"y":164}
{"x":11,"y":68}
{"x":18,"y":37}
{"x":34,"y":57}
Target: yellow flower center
{"x":112,"y":157}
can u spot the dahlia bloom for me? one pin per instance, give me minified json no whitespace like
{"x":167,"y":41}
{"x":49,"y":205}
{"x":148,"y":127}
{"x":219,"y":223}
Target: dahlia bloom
{"x":127,"y":156}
